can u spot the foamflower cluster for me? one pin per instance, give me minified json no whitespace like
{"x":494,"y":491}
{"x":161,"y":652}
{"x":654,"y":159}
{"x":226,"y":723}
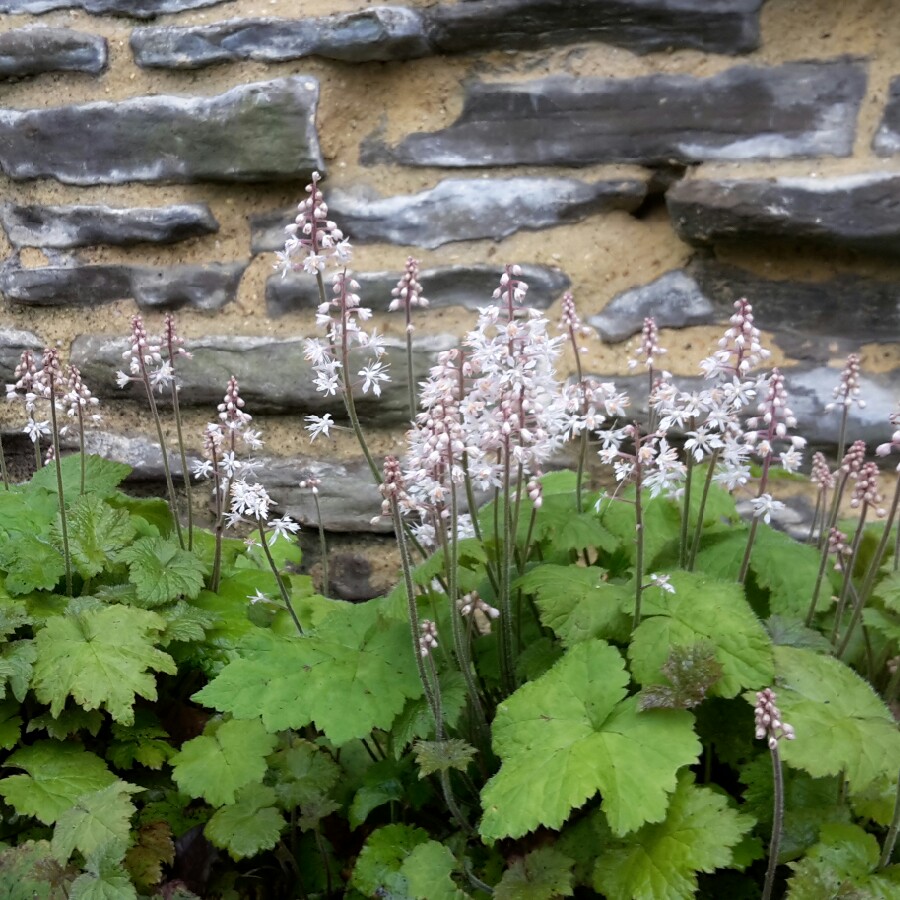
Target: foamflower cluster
{"x":769,"y":726}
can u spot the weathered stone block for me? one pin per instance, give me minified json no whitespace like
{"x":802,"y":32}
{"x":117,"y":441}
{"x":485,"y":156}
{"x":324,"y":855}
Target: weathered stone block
{"x":12,"y":342}
{"x":644,"y":26}
{"x":380,"y":33}
{"x":887,"y":138}
{"x":134,"y":9}
{"x":206,"y":287}
{"x":811,"y":321}
{"x":857,"y":212}
{"x":274,"y":376}
{"x":64,"y":227}
{"x":254,"y":132}
{"x":796,"y":109}
{"x":467,"y":286}
{"x":32,"y":51}
{"x":459,"y":209}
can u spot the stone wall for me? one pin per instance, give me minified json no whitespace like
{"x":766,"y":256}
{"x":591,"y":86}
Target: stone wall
{"x":653,"y":156}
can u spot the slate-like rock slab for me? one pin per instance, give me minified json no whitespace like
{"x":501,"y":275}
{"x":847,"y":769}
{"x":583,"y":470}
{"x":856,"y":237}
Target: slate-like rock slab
{"x":459,"y":209}
{"x":887,"y":138}
{"x":796,"y":109}
{"x":467,"y":286}
{"x":65,"y":227}
{"x":811,"y":321}
{"x":856,"y":212}
{"x":273,"y":375}
{"x":643,"y":26}
{"x":674,"y":300}
{"x":32,"y":51}
{"x":254,"y":132}
{"x":12,"y":342}
{"x":376,"y":34}
{"x":206,"y":287}
{"x":133,"y":9}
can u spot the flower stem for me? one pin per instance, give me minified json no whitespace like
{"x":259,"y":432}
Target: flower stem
{"x":64,"y":527}
{"x":323,"y":546}
{"x":410,"y":373}
{"x":282,"y":587}
{"x":683,"y":551}
{"x":848,"y":574}
{"x":3,"y":473}
{"x":777,"y":823}
{"x":186,"y":475}
{"x":504,"y":598}
{"x":638,"y":531}
{"x":698,"y":529}
{"x":890,"y":839}
{"x":754,"y":525}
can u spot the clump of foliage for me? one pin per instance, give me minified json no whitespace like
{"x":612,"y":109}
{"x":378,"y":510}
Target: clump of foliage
{"x":632,"y":692}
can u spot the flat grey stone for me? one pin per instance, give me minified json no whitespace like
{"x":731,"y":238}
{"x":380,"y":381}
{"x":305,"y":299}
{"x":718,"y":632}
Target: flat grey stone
{"x":857,"y":212}
{"x":775,"y":112}
{"x":459,"y":209}
{"x":12,"y":342}
{"x":65,"y":227}
{"x":272,"y":373}
{"x":376,"y":34}
{"x":133,"y":9}
{"x":811,"y":321}
{"x":208,"y":287}
{"x":674,"y":300}
{"x":348,"y":498}
{"x":32,"y":51}
{"x":643,"y":26}
{"x":887,"y":138}
{"x":254,"y":132}
{"x":467,"y":286}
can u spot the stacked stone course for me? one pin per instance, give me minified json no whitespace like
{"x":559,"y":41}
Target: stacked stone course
{"x":656,"y":157}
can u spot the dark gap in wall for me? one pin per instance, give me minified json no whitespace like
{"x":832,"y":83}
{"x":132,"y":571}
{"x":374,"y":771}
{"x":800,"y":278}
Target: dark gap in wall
{"x":661,"y":179}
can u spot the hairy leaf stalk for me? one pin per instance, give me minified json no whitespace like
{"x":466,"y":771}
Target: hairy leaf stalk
{"x":282,"y":587}
{"x":64,"y":526}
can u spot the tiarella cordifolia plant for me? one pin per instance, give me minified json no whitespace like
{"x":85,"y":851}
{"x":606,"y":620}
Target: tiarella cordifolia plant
{"x":560,"y":695}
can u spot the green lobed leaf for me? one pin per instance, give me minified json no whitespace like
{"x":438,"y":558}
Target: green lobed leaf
{"x":226,"y":757}
{"x":10,"y":724}
{"x":702,"y":610}
{"x":378,"y":870}
{"x":67,"y":722}
{"x":888,"y":591}
{"x":105,"y":879}
{"x":428,"y":869}
{"x":102,"y":476}
{"x":161,"y":571}
{"x":787,"y":568}
{"x":102,"y":658}
{"x":13,"y":614}
{"x":30,"y":872}
{"x":96,"y":533}
{"x":840,"y":723}
{"x":185,"y":622}
{"x":690,"y":672}
{"x":25,"y":509}
{"x":416,"y":719}
{"x":570,"y":734}
{"x":661,"y":861}
{"x":31,"y":563}
{"x":16,"y":663}
{"x":58,"y":775}
{"x":576,"y":603}
{"x":100,"y":821}
{"x":559,"y":523}
{"x":249,"y":825}
{"x":542,"y":874}
{"x":354,"y":654}
{"x":662,"y":526}
{"x":302,"y":773}
{"x":145,"y":742}
{"x":843,"y":864}
{"x":386,"y":781}
{"x":153,"y":849}
{"x":440,"y":756}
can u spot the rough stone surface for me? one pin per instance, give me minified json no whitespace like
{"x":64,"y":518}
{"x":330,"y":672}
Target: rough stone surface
{"x":467,"y":286}
{"x":206,"y":287}
{"x":65,"y":227}
{"x":809,"y":392}
{"x":459,"y":209}
{"x":274,"y":376}
{"x":133,"y":9}
{"x":381,"y":33}
{"x":348,"y":497}
{"x":254,"y":132}
{"x":858,"y":212}
{"x":644,"y":26}
{"x":796,"y":109}
{"x":887,"y":138}
{"x":32,"y":51}
{"x":12,"y":342}
{"x":674,"y":300}
{"x":811,"y":321}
